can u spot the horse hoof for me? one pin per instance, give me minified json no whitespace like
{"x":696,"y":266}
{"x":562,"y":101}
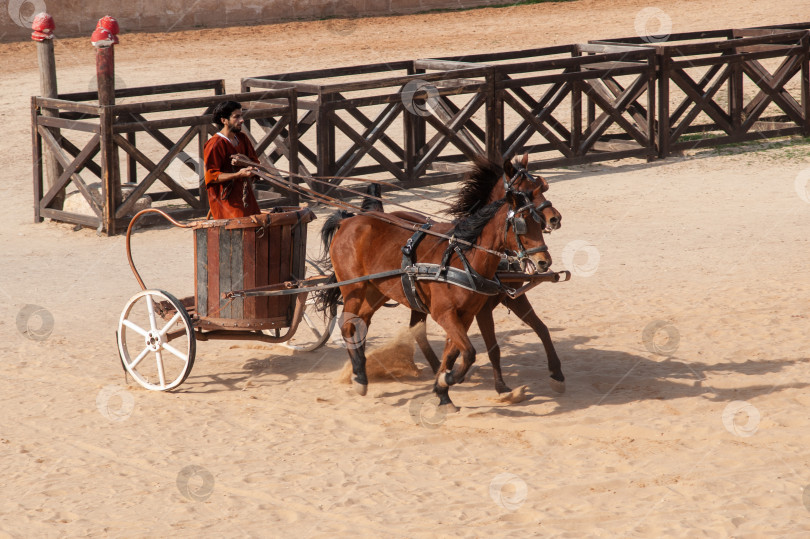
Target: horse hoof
{"x":361,"y":389}
{"x":502,"y":389}
{"x":448,"y":408}
{"x":556,"y":385}
{"x":515,"y":396}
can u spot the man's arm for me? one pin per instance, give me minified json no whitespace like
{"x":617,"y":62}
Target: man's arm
{"x":223,"y":177}
{"x":214,"y":158}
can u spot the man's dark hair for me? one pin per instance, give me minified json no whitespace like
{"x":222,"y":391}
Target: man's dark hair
{"x":224,"y":110}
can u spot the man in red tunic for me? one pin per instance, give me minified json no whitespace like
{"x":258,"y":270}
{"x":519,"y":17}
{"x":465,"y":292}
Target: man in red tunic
{"x":230,"y":189}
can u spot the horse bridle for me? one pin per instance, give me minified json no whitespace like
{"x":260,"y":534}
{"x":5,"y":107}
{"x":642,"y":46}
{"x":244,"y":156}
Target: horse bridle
{"x":518,"y":223}
{"x":509,"y":187}
{"x":509,"y":184}
{"x":514,"y":219}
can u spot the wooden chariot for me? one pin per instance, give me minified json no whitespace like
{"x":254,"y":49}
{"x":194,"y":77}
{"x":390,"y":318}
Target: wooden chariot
{"x":157,"y":332}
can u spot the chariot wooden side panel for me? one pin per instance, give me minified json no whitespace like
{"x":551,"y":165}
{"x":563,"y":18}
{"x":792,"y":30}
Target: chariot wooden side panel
{"x":244,"y":253}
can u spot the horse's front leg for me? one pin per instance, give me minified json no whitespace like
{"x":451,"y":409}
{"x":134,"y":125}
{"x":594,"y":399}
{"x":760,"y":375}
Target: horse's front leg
{"x":523,"y":309}
{"x":487,"y":326}
{"x":356,"y":346}
{"x":458,"y":343}
{"x":444,"y":377}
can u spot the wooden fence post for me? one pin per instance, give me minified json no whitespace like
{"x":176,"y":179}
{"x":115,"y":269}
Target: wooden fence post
{"x":735,"y":94}
{"x":408,"y":138}
{"x":104,"y":37}
{"x":652,"y":124}
{"x":36,"y":144}
{"x":43,"y":28}
{"x":576,"y":113}
{"x":664,"y":67}
{"x":805,"y":84}
{"x":494,"y":116}
{"x":292,"y":137}
{"x":325,"y":136}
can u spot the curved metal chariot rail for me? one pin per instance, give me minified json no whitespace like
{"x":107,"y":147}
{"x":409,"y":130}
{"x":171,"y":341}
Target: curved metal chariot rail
{"x":129,"y":232}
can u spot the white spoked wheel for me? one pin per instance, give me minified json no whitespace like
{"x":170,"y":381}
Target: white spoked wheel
{"x":315,"y":328}
{"x":159,"y":354}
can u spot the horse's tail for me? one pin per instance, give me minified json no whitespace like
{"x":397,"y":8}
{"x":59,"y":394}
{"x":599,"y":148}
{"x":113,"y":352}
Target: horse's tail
{"x":373,"y":204}
{"x":330,"y":297}
{"x":333,"y":223}
{"x":328,"y":233}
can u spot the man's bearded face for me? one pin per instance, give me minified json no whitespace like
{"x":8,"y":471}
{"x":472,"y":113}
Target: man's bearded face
{"x":235,"y":122}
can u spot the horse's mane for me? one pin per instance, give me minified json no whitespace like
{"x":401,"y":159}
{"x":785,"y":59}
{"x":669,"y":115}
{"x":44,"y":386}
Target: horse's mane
{"x":476,"y":188}
{"x":469,"y":228}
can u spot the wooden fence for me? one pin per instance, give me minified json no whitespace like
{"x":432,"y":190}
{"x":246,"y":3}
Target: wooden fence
{"x":449,"y":110}
{"x":420,"y":122}
{"x":113,"y":129}
{"x":565,"y":105}
{"x":695,"y":68}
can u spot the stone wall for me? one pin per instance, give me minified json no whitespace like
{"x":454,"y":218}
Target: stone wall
{"x":78,"y":17}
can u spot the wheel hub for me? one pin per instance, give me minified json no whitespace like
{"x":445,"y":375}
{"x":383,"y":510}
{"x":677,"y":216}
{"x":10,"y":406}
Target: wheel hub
{"x":153,"y":341}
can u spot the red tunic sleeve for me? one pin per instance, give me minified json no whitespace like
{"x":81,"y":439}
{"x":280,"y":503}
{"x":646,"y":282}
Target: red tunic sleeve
{"x":215,"y":156}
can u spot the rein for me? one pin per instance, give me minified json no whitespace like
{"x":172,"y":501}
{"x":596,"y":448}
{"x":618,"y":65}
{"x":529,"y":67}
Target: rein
{"x":244,"y":160}
{"x":386,"y":218}
{"x":517,"y":223}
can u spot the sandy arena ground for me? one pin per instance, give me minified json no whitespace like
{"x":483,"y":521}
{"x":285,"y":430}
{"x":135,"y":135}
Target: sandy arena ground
{"x":713,"y":245}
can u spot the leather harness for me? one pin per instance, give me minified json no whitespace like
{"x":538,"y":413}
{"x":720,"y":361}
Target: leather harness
{"x":413,"y":272}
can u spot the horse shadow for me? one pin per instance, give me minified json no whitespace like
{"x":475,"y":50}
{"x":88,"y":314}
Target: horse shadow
{"x":599,"y":377}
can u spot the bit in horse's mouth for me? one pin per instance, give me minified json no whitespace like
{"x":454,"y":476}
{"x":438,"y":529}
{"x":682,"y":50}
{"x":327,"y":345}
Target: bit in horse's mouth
{"x":529,"y":266}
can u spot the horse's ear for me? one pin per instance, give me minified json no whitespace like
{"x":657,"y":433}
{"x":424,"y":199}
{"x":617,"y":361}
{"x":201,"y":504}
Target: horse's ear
{"x":508,"y":169}
{"x":525,"y":161}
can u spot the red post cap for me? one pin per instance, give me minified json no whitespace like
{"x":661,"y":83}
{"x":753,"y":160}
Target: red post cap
{"x":43,"y":27}
{"x":103,"y":38}
{"x":109,"y":24}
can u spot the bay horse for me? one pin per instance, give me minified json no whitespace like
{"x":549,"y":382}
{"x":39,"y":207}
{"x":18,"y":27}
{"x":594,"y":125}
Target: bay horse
{"x":494,"y":179}
{"x":366,"y":244}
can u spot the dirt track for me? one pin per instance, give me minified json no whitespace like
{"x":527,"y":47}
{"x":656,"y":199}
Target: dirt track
{"x":713,"y":244}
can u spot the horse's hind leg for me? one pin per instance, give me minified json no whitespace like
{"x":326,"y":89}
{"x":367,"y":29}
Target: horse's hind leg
{"x":523,"y":309}
{"x":357,"y":354}
{"x":422,"y":340}
{"x":354,"y":329}
{"x":487,"y":326}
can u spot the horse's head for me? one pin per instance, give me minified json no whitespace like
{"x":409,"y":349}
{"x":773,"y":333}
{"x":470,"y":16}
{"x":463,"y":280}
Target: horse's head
{"x":517,"y":177}
{"x":523,"y":232}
